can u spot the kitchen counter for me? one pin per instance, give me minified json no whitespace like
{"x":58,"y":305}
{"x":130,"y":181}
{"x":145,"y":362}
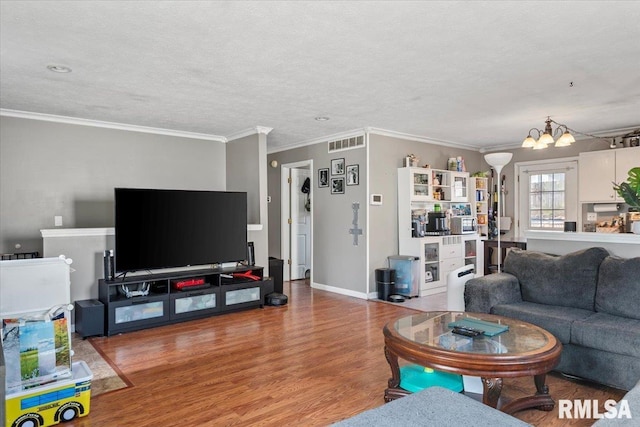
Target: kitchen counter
{"x":558,"y":242}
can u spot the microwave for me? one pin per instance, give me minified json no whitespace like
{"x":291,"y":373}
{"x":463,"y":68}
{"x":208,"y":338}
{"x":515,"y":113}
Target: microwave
{"x":462,"y":225}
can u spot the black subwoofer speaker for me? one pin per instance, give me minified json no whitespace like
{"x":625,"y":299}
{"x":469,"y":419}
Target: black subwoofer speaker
{"x":89,"y":318}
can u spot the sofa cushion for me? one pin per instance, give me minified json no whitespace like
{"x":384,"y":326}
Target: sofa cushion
{"x":631,"y":400}
{"x":618,"y":290}
{"x":603,"y":331}
{"x":568,"y":280}
{"x":432,"y":406}
{"x":554,"y":319}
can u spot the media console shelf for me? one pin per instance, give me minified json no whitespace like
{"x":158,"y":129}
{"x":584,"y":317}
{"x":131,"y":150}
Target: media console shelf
{"x":218,"y":292}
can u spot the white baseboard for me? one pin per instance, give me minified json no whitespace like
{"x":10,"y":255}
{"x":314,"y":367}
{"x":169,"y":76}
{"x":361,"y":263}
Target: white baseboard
{"x":340,"y":291}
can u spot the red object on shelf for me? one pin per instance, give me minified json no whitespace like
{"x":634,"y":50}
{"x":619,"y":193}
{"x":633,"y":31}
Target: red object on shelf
{"x":182,"y":284}
{"x":246,"y":275}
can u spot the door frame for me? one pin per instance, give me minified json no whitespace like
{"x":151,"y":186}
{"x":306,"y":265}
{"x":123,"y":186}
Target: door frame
{"x":285,"y":213}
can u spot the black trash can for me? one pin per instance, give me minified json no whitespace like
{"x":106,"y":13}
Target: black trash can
{"x":276,"y":271}
{"x":385,"y":282}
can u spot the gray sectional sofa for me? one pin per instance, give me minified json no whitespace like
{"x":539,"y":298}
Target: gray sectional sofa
{"x":436,"y":406}
{"x":588,"y":299}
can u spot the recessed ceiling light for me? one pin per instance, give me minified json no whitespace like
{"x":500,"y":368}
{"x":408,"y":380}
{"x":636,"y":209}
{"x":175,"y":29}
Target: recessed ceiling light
{"x":59,"y":68}
{"x":322,"y":118}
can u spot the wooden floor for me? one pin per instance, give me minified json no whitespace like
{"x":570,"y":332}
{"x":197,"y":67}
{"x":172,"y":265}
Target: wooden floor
{"x":313,"y":362}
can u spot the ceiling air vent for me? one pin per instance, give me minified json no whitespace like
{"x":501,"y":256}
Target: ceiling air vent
{"x":346,"y":144}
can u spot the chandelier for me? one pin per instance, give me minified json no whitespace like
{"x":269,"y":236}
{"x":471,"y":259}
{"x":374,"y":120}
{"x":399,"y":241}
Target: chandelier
{"x":547,"y":136}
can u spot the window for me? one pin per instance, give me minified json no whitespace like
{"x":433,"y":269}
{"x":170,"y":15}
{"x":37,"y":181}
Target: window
{"x":547,"y":194}
{"x":547,"y":200}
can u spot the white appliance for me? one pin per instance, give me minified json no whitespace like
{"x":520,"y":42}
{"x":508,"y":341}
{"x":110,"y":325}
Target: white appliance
{"x":463,"y":225}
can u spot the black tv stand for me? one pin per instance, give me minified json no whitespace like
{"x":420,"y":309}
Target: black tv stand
{"x":164,"y":304}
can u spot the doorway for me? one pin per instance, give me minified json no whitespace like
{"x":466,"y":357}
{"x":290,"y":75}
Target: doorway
{"x":297,"y":220}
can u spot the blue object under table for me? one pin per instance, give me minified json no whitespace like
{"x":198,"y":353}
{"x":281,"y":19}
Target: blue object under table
{"x":414,"y":378}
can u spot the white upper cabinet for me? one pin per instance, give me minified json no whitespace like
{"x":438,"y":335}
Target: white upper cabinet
{"x":598,"y":170}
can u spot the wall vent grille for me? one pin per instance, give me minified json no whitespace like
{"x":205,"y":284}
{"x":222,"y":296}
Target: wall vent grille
{"x":346,"y":144}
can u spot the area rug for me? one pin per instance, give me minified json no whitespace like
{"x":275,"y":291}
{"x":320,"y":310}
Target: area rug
{"x":105,"y":377}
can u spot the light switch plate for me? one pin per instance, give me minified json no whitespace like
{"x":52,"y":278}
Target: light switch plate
{"x":376,"y":199}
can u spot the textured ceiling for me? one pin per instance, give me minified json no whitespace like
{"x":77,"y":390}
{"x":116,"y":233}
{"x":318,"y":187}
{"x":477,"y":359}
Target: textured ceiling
{"x":479,"y":74}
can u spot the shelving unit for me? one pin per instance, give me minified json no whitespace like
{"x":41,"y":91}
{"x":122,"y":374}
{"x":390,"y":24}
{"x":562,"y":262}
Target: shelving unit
{"x":164,"y":304}
{"x":472,"y":251}
{"x":419,"y":190}
{"x":440,"y":255}
{"x":480,"y":191}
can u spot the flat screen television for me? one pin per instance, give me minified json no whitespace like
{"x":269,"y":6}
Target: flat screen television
{"x":177,"y":228}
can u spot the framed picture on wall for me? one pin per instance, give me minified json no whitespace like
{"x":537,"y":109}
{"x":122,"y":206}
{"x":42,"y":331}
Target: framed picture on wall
{"x":337,"y":185}
{"x":337,"y":166}
{"x":323,"y":177}
{"x":353,"y":174}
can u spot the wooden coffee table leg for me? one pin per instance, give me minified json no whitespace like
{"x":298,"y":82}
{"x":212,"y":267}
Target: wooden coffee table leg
{"x":542,"y":392}
{"x":492,"y":387}
{"x":393,"y":391}
{"x":541,"y":400}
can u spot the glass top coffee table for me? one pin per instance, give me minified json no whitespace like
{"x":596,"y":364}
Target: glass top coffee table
{"x":521,"y":350}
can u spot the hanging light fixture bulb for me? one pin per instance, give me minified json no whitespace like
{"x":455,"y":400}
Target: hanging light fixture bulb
{"x":529,"y":142}
{"x":565,"y":140}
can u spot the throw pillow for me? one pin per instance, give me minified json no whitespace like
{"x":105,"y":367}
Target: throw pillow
{"x":568,"y":280}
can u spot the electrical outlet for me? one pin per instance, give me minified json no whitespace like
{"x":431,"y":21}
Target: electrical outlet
{"x":268,"y":199}
{"x":592,"y":216}
{"x":57,"y":221}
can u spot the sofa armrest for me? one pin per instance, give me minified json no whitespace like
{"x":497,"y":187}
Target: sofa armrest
{"x":482,"y":293}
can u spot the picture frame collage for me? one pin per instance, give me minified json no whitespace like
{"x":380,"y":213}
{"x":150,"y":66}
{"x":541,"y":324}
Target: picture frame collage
{"x":337,"y":176}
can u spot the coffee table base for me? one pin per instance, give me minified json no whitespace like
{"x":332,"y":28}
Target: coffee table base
{"x":492,"y":388}
{"x":541,"y":400}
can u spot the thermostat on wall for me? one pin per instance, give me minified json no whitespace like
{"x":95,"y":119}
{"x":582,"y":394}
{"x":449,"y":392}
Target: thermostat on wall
{"x":376,"y":199}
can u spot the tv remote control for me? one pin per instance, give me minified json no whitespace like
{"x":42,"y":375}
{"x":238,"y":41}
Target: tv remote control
{"x":467,"y":332}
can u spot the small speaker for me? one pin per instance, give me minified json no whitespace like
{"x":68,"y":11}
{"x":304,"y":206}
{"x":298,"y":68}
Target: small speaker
{"x":108,"y":266}
{"x":251,"y":255}
{"x":89,"y":318}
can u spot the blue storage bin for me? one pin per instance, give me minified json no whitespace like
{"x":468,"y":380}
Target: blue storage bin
{"x":414,"y":378}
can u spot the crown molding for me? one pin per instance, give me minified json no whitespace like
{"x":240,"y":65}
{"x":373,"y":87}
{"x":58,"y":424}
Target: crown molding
{"x":109,"y":125}
{"x":418,"y":138}
{"x":375,"y":131}
{"x":248,"y":132}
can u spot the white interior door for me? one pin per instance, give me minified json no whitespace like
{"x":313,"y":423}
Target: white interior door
{"x":300,"y":225}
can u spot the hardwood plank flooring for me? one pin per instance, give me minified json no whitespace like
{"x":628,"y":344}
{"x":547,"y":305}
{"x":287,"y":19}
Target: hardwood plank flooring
{"x":315,"y":361}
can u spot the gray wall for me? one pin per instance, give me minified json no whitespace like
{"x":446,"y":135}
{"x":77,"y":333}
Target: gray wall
{"x":336,"y":261}
{"x":247,"y":171}
{"x":386,"y":155}
{"x":49,"y":169}
{"x":243,"y":172}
